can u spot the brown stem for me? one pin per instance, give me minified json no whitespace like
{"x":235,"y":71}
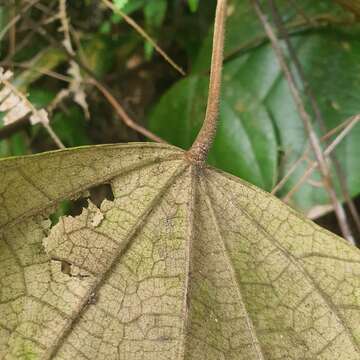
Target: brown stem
{"x":200,"y":148}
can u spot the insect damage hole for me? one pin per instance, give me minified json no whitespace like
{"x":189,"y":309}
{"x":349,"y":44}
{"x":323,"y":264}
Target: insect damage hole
{"x":72,"y":226}
{"x":74,"y":207}
{"x":100,"y":193}
{"x":71,"y":270}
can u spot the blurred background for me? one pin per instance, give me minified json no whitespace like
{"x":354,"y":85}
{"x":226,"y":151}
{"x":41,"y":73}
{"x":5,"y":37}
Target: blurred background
{"x":93,"y":64}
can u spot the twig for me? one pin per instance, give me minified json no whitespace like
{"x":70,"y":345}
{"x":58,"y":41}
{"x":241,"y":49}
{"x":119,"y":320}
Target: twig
{"x":305,"y":154}
{"x":350,"y":125}
{"x":316,"y":108}
{"x":296,"y":27}
{"x":336,"y":129}
{"x":28,"y":37}
{"x":12,"y":31}
{"x":75,"y":88}
{"x":15,"y":19}
{"x":145,"y":35}
{"x":50,"y":73}
{"x":102,"y":87}
{"x":122,"y":113}
{"x":200,"y":148}
{"x":313,"y":139}
{"x":292,"y":169}
{"x":34,"y":111}
{"x":10,"y":129}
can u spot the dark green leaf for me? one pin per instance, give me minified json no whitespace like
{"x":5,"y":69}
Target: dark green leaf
{"x":71,"y":127}
{"x":245,"y":144}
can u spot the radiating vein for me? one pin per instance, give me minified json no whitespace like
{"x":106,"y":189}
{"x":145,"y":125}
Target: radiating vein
{"x":298,"y":264}
{"x":53,"y":350}
{"x":249,"y":323}
{"x":188,"y":256}
{"x":85,"y":186}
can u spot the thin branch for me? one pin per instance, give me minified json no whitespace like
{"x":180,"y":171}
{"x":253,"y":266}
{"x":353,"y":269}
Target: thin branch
{"x":145,"y":35}
{"x":305,"y":154}
{"x":292,"y":169}
{"x":28,"y":36}
{"x":122,"y":113}
{"x":15,"y":19}
{"x":336,"y":129}
{"x":314,"y":141}
{"x":350,"y":125}
{"x":296,"y":27}
{"x":110,"y":97}
{"x":75,"y":88}
{"x":314,"y":104}
{"x":35,"y":112}
{"x":50,"y":73}
{"x":200,"y":148}
{"x":12,"y":31}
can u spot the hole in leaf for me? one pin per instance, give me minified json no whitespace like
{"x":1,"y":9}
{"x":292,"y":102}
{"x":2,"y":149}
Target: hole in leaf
{"x":68,"y":207}
{"x":69,"y":269}
{"x":100,"y":193}
{"x":66,"y":268}
{"x":75,"y":207}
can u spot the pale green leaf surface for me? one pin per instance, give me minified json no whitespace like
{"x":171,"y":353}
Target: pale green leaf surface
{"x":184,"y":263}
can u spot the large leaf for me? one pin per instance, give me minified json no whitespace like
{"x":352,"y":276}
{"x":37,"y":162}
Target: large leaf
{"x":184,"y":263}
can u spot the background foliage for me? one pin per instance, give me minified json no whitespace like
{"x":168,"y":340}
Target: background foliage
{"x":260,"y":134}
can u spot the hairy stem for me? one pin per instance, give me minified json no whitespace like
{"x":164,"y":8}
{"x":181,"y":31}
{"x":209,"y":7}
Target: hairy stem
{"x":200,"y":149}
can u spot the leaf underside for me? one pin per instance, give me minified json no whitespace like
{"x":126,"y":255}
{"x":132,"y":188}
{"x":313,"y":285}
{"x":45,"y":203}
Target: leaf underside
{"x":183,"y":263}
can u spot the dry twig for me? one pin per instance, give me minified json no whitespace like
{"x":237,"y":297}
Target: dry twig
{"x":15,"y":19}
{"x":16,"y":105}
{"x":305,"y":154}
{"x":351,"y":122}
{"x":313,"y":139}
{"x":315,"y":107}
{"x":75,"y":89}
{"x":120,"y":111}
{"x":145,"y":35}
